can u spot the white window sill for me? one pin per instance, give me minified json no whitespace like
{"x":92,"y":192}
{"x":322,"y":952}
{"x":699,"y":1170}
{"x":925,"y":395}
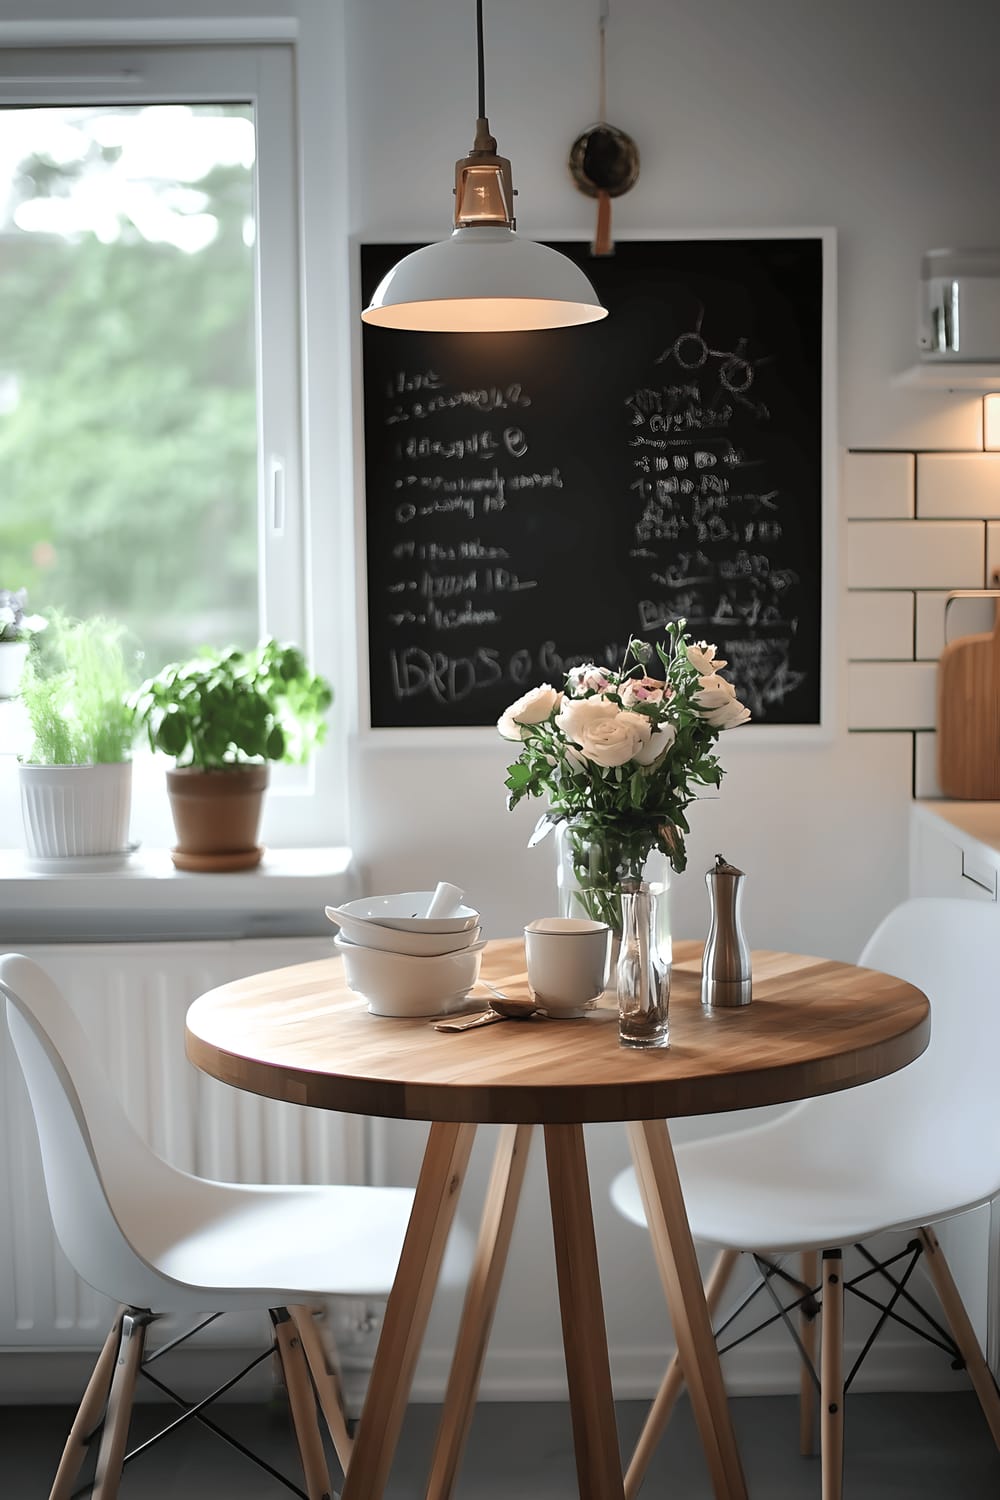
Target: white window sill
{"x":147,"y":896}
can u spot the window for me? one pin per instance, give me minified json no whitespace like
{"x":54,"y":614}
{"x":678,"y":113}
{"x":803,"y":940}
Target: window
{"x":150,"y":440}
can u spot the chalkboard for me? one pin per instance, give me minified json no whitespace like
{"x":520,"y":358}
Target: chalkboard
{"x":534,"y":499}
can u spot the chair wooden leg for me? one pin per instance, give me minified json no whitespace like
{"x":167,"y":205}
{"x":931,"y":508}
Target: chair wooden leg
{"x":809,"y":1274}
{"x":585,"y":1342}
{"x":831,"y":1392}
{"x":670,"y":1387}
{"x":119,"y":1413}
{"x":446,"y":1157}
{"x":326,"y":1379}
{"x":87,"y":1415}
{"x":302,"y":1405}
{"x":964,"y":1334}
{"x":673,"y":1247}
{"x":499,"y":1212}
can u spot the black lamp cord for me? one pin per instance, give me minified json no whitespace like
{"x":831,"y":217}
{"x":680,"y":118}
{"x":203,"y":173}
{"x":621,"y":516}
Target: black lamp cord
{"x":482,"y":63}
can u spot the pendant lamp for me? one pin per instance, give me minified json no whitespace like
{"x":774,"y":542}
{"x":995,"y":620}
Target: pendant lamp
{"x":483,"y":279}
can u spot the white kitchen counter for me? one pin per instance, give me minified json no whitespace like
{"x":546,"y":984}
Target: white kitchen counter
{"x":955,"y":849}
{"x":979,"y":820}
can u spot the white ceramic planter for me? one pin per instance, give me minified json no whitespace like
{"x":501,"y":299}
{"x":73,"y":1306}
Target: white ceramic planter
{"x":75,"y":810}
{"x":13,"y":655}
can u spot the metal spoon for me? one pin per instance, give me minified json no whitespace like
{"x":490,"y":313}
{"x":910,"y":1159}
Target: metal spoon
{"x":502,"y":1008}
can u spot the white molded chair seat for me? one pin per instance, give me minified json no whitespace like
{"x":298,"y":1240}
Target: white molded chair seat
{"x":158,"y":1240}
{"x":902,"y":1152}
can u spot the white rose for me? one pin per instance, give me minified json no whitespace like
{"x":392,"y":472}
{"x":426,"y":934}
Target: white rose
{"x":587,"y":679}
{"x":533,"y":708}
{"x":702,"y":657}
{"x":714,"y":692}
{"x":661,"y":739}
{"x":577,"y":714}
{"x":728,"y":716}
{"x":613,"y":741}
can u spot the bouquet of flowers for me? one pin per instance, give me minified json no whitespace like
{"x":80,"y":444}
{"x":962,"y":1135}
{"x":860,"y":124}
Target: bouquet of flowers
{"x":620,"y":755}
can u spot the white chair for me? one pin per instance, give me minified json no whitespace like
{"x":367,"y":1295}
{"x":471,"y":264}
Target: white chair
{"x":158,"y":1241}
{"x":898,"y":1154}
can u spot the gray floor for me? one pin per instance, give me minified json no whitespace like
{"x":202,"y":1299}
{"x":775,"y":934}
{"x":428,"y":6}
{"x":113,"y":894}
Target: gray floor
{"x":911,"y":1447}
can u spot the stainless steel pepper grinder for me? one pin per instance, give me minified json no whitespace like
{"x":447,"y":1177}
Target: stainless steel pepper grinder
{"x":725,"y":965}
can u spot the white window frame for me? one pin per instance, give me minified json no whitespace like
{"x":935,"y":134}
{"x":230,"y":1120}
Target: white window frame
{"x":306,"y":806}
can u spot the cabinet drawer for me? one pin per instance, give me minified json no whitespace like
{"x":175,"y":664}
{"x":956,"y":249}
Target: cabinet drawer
{"x":980,"y":874}
{"x":942,"y":865}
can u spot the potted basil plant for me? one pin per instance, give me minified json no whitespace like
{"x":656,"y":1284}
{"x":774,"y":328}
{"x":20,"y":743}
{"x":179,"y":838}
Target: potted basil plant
{"x":76,"y":779}
{"x":16,"y":632}
{"x":224,"y":716}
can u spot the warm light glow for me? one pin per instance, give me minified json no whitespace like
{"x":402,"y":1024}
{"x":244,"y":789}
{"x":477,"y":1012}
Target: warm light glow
{"x":483,"y":315}
{"x":481,"y":199}
{"x":991,"y":421}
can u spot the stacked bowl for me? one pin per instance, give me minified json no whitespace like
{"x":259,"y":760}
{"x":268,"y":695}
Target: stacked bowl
{"x":405,"y":964}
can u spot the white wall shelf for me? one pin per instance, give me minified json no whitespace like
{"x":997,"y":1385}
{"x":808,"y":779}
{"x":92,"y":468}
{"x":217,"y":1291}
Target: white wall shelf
{"x":950,"y":375}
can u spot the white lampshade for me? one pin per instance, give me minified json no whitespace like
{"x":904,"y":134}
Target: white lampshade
{"x":484,"y":279}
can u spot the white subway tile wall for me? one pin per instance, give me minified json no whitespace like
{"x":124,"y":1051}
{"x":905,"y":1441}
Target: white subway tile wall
{"x":891,"y":694}
{"x":958,"y":484}
{"x":918,"y":526}
{"x":879,"y":485}
{"x":925,"y":782}
{"x":992,"y":553}
{"x":915,"y":554}
{"x":879,"y":626}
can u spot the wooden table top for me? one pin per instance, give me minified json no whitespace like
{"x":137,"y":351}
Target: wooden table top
{"x":814,"y":1026}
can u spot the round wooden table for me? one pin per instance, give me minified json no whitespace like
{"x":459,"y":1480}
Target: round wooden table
{"x":300,"y":1034}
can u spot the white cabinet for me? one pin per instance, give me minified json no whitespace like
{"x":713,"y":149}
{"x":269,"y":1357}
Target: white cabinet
{"x":955,"y":851}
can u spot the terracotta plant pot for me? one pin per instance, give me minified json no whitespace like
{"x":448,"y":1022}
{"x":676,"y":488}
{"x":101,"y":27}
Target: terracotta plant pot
{"x":216,"y":816}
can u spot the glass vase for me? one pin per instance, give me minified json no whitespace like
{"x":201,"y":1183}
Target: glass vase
{"x":642,"y":971}
{"x":593,"y":863}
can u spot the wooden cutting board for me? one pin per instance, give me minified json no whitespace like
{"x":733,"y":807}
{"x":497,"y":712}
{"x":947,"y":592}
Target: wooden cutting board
{"x":968,"y":716}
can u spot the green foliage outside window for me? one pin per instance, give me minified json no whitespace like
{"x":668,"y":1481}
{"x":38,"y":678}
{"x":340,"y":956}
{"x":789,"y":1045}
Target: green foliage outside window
{"x":128,"y":431}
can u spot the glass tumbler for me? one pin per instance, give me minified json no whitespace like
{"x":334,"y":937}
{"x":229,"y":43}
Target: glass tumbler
{"x":643,"y":973}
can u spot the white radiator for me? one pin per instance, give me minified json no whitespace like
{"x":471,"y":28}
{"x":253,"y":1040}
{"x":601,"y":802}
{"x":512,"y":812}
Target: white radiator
{"x":132,"y":998}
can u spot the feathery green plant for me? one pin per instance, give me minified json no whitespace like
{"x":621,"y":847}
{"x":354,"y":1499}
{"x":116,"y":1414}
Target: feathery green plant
{"x":75,"y":695}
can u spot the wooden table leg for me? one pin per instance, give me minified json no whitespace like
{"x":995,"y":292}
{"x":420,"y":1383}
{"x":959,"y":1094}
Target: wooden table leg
{"x":673,"y":1247}
{"x":499,"y":1212}
{"x":672,"y":1383}
{"x":441,"y":1175}
{"x":585,"y":1341}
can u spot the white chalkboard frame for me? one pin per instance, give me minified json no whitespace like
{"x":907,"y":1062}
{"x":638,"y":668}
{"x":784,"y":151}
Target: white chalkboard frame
{"x":455,"y":737}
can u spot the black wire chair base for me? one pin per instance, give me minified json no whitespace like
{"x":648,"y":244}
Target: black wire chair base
{"x":808,"y":1303}
{"x":190,"y":1411}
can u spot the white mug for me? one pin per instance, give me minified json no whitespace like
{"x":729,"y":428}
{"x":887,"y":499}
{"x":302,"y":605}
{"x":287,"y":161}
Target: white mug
{"x":568,"y":963}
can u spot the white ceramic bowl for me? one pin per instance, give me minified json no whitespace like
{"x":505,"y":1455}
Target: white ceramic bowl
{"x":398,"y":911}
{"x":390,"y":940}
{"x":398,"y":984}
